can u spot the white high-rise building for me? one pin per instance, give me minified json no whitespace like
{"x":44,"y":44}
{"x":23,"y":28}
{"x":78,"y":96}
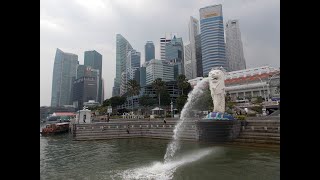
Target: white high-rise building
{"x":132,"y":65}
{"x":234,"y":49}
{"x":190,"y":61}
{"x":159,"y":69}
{"x":163,"y":42}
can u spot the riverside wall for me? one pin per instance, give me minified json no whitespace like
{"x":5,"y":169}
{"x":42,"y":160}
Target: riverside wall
{"x":261,"y":131}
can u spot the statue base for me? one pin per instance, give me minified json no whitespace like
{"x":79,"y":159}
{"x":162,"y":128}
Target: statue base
{"x":219,"y":116}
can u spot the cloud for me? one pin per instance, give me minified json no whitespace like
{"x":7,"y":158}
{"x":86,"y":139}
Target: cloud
{"x":76,"y":26}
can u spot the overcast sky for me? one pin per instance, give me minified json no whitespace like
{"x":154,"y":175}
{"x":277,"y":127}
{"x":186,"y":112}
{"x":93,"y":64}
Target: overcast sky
{"x":76,"y":26}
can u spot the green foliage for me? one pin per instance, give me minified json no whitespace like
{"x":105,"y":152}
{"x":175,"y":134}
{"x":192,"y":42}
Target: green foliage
{"x":257,"y":109}
{"x":133,"y":87}
{"x":114,"y":101}
{"x":181,"y":100}
{"x":258,"y":100}
{"x":165,"y":98}
{"x":158,"y":85}
{"x":146,"y":100}
{"x":183,"y":84}
{"x":240,"y":117}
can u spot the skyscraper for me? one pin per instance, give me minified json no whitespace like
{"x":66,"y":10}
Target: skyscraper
{"x":149,"y":51}
{"x":212,"y":38}
{"x":159,"y":69}
{"x":199,"y":56}
{"x":193,"y":32}
{"x":132,"y":65}
{"x":143,"y":75}
{"x":188,"y":61}
{"x":122,"y":49}
{"x":64,"y":72}
{"x":94,"y":60}
{"x":234,"y":49}
{"x":84,"y":89}
{"x":174,"y":54}
{"x":163,"y":41}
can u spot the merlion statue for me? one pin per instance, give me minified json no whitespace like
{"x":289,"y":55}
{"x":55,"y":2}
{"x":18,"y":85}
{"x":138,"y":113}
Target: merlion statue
{"x":217,"y":88}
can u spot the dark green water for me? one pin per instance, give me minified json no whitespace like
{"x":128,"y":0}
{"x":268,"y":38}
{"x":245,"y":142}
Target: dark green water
{"x":62,"y":158}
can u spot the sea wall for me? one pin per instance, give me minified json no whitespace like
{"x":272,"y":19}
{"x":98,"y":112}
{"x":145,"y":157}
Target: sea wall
{"x":192,"y":130}
{"x":122,"y":128}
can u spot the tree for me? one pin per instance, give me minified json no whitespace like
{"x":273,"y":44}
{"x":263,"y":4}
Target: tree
{"x":114,"y":101}
{"x":181,"y":100}
{"x":159,"y":86}
{"x":183,"y":83}
{"x":133,"y":89}
{"x":146,"y":101}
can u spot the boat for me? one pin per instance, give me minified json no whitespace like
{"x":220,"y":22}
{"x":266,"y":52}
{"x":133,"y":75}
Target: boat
{"x":55,"y":128}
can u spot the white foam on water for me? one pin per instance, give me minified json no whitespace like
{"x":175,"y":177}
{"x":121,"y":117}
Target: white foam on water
{"x":174,"y":145}
{"x":163,"y":170}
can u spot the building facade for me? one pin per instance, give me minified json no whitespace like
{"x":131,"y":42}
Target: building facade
{"x":132,"y":66}
{"x":234,"y":48}
{"x":199,"y":55}
{"x":64,"y":72}
{"x":149,"y":51}
{"x":84,"y":89}
{"x":143,"y":75}
{"x":175,"y":54}
{"x":159,"y":69}
{"x":252,"y":82}
{"x":94,"y":60}
{"x":193,"y":32}
{"x":188,"y":62}
{"x":212,"y":38}
{"x":122,"y":49}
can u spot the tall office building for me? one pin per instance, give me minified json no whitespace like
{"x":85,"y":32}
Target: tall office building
{"x":149,"y":51}
{"x":188,"y":61}
{"x":174,"y":54}
{"x":163,"y":41}
{"x":84,"y":89}
{"x":212,"y":38}
{"x":132,"y":65}
{"x":64,"y":72}
{"x":234,"y":49}
{"x":94,"y":60}
{"x":199,"y":56}
{"x":159,"y":69}
{"x":143,"y":74}
{"x":193,"y":32}
{"x":122,"y":49}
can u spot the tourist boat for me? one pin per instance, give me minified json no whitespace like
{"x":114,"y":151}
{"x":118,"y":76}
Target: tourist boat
{"x":56,"y":128}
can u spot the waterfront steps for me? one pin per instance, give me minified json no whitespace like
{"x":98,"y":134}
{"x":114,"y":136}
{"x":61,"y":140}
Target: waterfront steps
{"x":132,"y":129}
{"x":261,"y":131}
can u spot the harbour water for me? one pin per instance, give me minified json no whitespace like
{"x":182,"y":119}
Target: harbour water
{"x":143,"y":158}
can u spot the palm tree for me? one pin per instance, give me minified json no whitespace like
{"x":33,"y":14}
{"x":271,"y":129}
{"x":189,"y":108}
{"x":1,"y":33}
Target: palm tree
{"x":133,"y":89}
{"x":182,"y":82}
{"x":159,"y":86}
